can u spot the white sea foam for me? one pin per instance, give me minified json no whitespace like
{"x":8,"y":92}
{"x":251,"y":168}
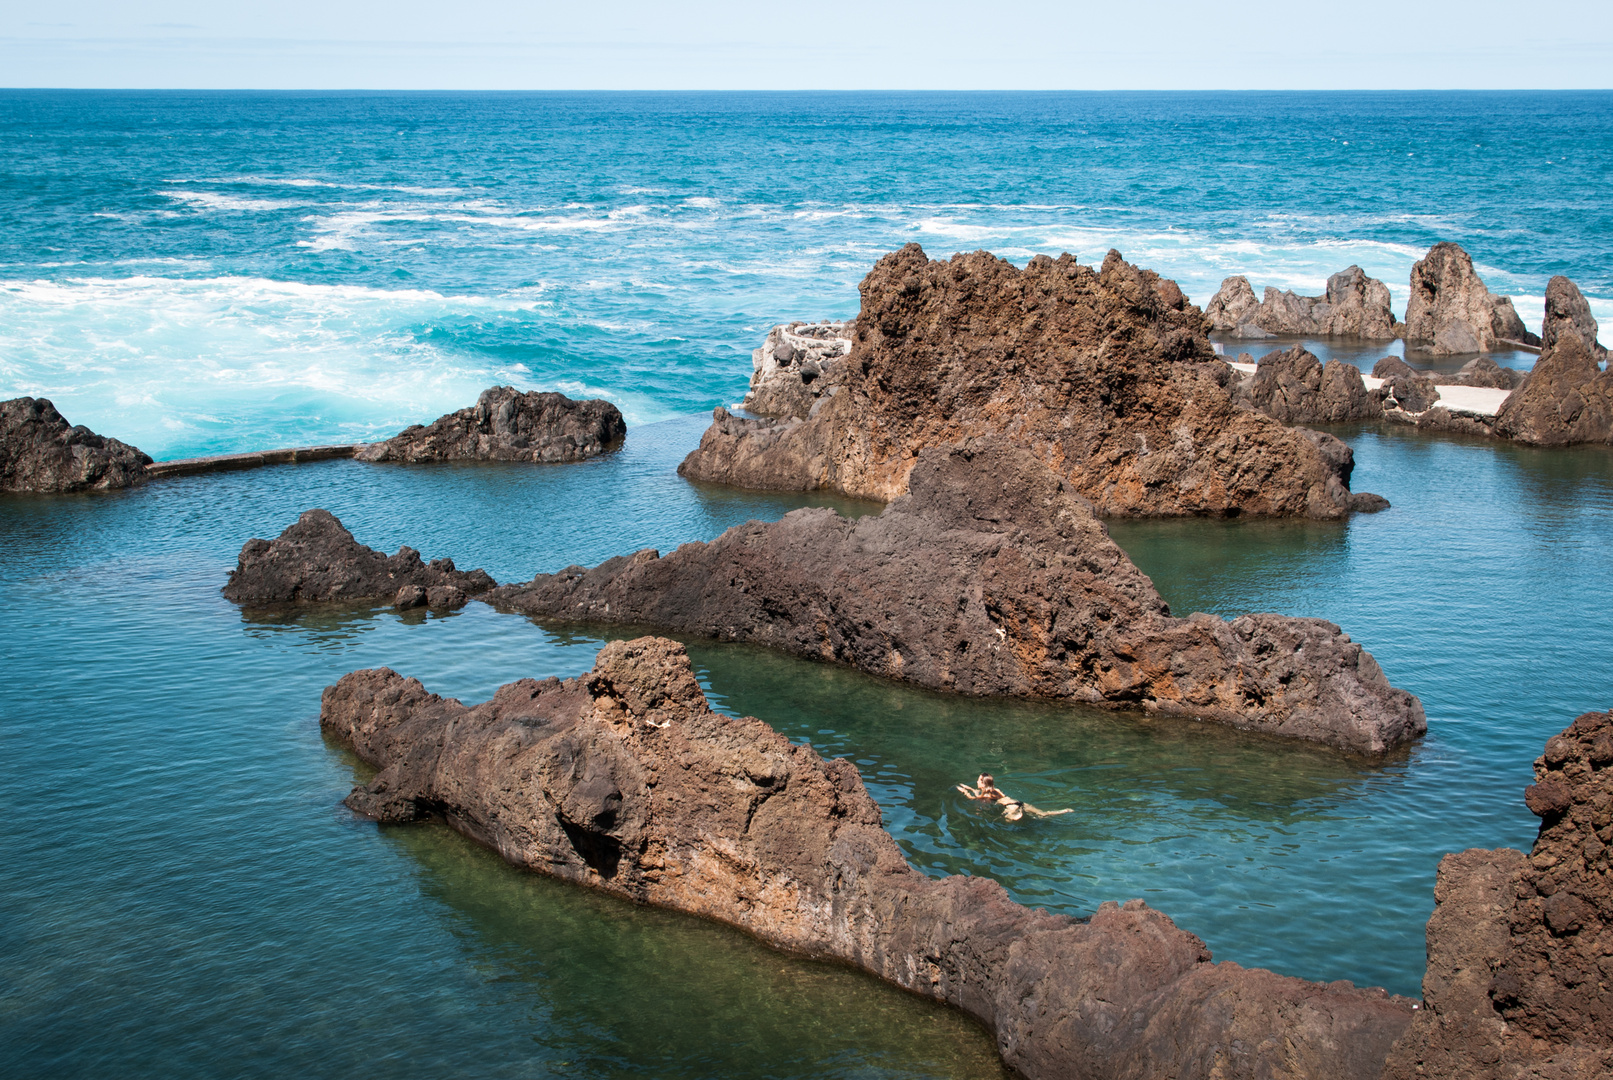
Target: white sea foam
{"x":212,"y":200}
{"x":180,"y":363}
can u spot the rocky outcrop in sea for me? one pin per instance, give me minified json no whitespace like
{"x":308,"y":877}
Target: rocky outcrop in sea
{"x":1449,"y":310}
{"x":1569,"y":315}
{"x":508,"y":425}
{"x":992,"y":577}
{"x":790,"y":367}
{"x":1566,"y":399}
{"x":40,"y":451}
{"x":1354,"y":305}
{"x":1293,"y":386}
{"x":1520,"y":948}
{"x":625,"y":780}
{"x":1105,"y":374}
{"x":317,"y":560}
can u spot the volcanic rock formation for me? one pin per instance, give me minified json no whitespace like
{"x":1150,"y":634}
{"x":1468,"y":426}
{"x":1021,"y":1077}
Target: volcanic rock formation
{"x":1567,"y":313}
{"x":991,"y":577}
{"x":1294,"y":387}
{"x":41,"y":451}
{"x":317,"y":560}
{"x":1566,"y":399}
{"x":1105,"y":374}
{"x":790,"y":367}
{"x":1482,"y":371}
{"x":1520,"y":950}
{"x":1353,"y":306}
{"x":1450,"y":311}
{"x":626,"y":780}
{"x":508,"y":425}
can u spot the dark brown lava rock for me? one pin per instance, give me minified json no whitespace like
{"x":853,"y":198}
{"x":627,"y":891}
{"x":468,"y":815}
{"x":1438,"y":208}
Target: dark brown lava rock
{"x":1293,"y":386}
{"x":1520,"y":949}
{"x":508,"y":425}
{"x":992,"y":577}
{"x":1565,"y":399}
{"x":317,"y":560}
{"x":627,"y":781}
{"x":1104,"y":374}
{"x":41,"y":451}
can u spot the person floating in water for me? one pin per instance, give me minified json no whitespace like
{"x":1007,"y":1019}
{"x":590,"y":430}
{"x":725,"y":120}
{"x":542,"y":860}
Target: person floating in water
{"x":986,"y":790}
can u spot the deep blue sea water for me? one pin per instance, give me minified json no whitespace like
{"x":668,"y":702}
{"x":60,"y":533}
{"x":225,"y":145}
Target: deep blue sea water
{"x":180,"y":890}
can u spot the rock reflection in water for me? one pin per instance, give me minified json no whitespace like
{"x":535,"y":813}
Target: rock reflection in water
{"x":620,"y":990}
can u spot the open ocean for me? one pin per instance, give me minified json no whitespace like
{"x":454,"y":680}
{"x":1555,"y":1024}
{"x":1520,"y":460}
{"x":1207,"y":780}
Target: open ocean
{"x":181,"y":892}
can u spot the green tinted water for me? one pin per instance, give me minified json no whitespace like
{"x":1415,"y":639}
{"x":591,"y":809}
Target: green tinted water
{"x":183,"y":892}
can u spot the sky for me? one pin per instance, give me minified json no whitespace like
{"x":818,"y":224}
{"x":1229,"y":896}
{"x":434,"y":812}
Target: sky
{"x":785,"y":45}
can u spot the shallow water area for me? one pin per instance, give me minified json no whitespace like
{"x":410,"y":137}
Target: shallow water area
{"x":182,"y":880}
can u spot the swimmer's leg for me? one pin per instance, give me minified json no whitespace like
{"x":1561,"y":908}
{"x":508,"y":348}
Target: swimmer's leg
{"x":1029,"y":809}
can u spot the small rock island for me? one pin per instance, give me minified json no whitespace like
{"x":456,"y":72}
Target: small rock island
{"x":991,"y":577}
{"x":40,"y":451}
{"x":506,"y":424}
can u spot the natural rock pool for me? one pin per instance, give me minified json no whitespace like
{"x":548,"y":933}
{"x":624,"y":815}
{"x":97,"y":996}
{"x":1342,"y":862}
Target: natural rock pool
{"x":184,"y":892}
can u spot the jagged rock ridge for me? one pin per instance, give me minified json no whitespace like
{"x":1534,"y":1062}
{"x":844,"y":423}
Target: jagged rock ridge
{"x":1105,"y":374}
{"x":1449,"y":310}
{"x":317,"y":560}
{"x":1354,"y":305}
{"x":625,"y":780}
{"x":1520,"y":949}
{"x":1566,"y":399}
{"x":991,"y":577}
{"x":1293,"y":386}
{"x":40,"y":451}
{"x":508,"y":425}
{"x":1568,"y":314}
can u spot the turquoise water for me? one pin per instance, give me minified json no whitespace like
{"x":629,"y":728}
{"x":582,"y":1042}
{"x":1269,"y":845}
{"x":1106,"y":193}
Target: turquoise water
{"x":211,"y":272}
{"x":182,"y":892}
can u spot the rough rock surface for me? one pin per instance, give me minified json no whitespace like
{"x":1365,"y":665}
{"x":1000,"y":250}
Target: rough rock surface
{"x":1520,"y":950}
{"x":1391,"y":366}
{"x":992,"y":578}
{"x":1482,"y":371}
{"x":1408,"y":394}
{"x":41,"y":451}
{"x":1565,"y":399}
{"x":1105,"y":374}
{"x":1567,"y":313}
{"x":1294,"y":387}
{"x":317,"y":560}
{"x":1353,"y":306}
{"x":790,"y":367}
{"x":1450,"y":311}
{"x":1479,"y":371}
{"x":625,"y":780}
{"x":508,"y":425}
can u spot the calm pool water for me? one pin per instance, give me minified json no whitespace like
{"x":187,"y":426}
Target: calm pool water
{"x":184,"y":893}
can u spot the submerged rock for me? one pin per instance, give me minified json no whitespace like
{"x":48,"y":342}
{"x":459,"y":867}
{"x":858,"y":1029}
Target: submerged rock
{"x":1568,"y":314}
{"x":1105,"y":374}
{"x":1293,"y":386}
{"x":508,"y":425}
{"x":627,"y":781}
{"x":317,"y":560}
{"x":1520,"y":949}
{"x":40,"y":451}
{"x":1450,"y":311}
{"x":991,"y":577}
{"x":790,"y":367}
{"x":1566,"y":399}
{"x":1354,"y":306}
